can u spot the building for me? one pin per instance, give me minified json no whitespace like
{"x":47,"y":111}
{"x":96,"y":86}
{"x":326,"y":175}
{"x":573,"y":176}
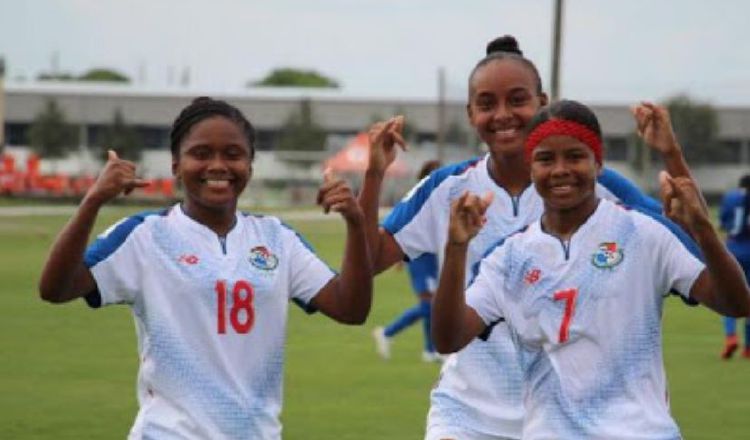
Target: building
{"x":91,"y":106}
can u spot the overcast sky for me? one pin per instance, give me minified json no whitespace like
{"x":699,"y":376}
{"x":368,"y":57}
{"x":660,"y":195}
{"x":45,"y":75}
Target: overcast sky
{"x":614,"y":51}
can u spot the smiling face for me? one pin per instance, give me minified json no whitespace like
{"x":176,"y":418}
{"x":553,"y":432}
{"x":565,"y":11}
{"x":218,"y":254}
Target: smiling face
{"x":214,"y":165}
{"x":564,"y":172}
{"x":502,"y":99}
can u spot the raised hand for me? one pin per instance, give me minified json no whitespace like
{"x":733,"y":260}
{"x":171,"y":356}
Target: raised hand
{"x":683,"y":203}
{"x":335,"y":195}
{"x":384,"y":137}
{"x":118,"y":176}
{"x":468,"y":217}
{"x":655,"y":127}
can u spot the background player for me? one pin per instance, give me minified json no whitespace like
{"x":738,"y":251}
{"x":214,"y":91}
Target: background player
{"x":208,"y":286}
{"x":423,"y":276}
{"x":478,"y":395}
{"x":734,"y":217}
{"x":582,"y":288}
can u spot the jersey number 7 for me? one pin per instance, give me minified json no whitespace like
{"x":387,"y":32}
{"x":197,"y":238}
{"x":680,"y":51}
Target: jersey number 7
{"x":240,"y":303}
{"x":569,"y":296}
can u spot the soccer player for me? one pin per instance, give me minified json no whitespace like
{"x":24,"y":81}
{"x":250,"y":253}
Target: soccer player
{"x":734,"y":215}
{"x":478,"y":396}
{"x":582,"y":288}
{"x":208,"y":286}
{"x":423,"y":276}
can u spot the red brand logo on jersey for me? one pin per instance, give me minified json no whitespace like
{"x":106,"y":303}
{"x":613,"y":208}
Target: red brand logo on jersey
{"x":188,"y":259}
{"x":532,"y":276}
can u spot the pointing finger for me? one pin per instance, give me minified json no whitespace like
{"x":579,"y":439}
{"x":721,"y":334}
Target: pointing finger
{"x":328,"y":175}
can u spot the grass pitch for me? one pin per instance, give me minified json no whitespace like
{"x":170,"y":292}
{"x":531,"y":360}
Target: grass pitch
{"x":68,"y":372}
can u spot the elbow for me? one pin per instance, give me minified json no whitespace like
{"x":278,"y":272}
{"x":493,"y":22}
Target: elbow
{"x":443,"y":347}
{"x":354,"y":317}
{"x":50,"y":294}
{"x":444,"y":344}
{"x":742,"y":311}
{"x":353,"y":320}
{"x":46,"y":293}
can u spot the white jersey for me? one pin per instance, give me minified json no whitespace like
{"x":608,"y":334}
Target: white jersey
{"x":480,"y":389}
{"x":210,"y":316}
{"x":586,"y":317}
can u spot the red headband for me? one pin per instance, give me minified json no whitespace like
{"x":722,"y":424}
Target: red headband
{"x":562,"y":127}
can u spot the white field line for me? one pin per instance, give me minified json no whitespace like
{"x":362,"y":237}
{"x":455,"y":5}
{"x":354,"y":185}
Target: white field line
{"x":66,"y":211}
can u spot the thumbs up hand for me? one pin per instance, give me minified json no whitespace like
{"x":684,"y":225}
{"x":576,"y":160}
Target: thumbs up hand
{"x":117,"y":176}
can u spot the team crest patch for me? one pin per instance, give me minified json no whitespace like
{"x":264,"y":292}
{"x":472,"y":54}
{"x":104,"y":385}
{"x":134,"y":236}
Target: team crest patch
{"x":607,"y":256}
{"x":262,"y":258}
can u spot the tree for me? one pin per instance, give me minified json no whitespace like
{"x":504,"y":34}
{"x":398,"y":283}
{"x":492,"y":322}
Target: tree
{"x":96,"y":75}
{"x":300,"y":132}
{"x":59,"y":76}
{"x":122,"y":138}
{"x":50,"y":135}
{"x":696,"y":126}
{"x":291,"y":77}
{"x":104,"y":75}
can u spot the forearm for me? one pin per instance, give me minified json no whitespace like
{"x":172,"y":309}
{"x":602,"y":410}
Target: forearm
{"x":449,"y":305}
{"x":369,"y":201}
{"x":354,"y":293}
{"x":64,"y":275}
{"x":729,"y":294}
{"x":675,"y":163}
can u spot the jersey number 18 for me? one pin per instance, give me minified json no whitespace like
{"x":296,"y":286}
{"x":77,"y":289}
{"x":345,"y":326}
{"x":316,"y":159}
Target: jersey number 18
{"x":240,"y":302}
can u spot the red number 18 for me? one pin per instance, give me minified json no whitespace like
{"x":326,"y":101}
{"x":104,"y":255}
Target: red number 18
{"x":239,"y":303}
{"x":569,"y":295}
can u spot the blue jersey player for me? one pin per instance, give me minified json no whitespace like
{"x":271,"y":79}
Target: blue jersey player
{"x":734,"y":215}
{"x":423,"y":277}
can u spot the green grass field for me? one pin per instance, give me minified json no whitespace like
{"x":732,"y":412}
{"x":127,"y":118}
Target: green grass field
{"x":68,"y":372}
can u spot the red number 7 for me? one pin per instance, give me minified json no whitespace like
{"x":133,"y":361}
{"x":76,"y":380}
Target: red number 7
{"x":569,"y":295}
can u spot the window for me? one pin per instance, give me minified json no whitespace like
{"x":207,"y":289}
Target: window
{"x":615,"y":148}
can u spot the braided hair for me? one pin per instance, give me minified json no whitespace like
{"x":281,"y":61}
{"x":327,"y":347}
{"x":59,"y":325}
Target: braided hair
{"x":203,"y":108}
{"x":506,"y":47}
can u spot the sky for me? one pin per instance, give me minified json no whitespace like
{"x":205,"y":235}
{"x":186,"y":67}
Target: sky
{"x":614,"y":51}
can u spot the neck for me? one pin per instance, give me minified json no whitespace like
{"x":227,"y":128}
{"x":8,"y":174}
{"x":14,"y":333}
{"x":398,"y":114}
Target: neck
{"x":510,"y":172}
{"x":219,"y":220}
{"x":563,"y":223}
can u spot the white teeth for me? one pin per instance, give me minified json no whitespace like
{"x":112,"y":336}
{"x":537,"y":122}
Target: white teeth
{"x":562,"y":188}
{"x":506,"y":132}
{"x":217,"y":183}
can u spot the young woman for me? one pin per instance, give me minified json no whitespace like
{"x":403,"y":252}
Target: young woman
{"x":582,"y":288}
{"x":208,"y":286}
{"x":478,"y":395}
{"x":423,"y":275}
{"x":734,"y":215}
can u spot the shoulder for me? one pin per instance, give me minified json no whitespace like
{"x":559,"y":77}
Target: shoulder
{"x":496,"y":251}
{"x":441,"y":177}
{"x":624,"y":190}
{"x":430,"y":189}
{"x":114,"y":237}
{"x":653,"y":226}
{"x":733,"y":197}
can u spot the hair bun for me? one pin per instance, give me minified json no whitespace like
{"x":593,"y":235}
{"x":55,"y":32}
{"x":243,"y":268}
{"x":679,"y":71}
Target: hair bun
{"x":506,"y":43}
{"x":202,"y":100}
